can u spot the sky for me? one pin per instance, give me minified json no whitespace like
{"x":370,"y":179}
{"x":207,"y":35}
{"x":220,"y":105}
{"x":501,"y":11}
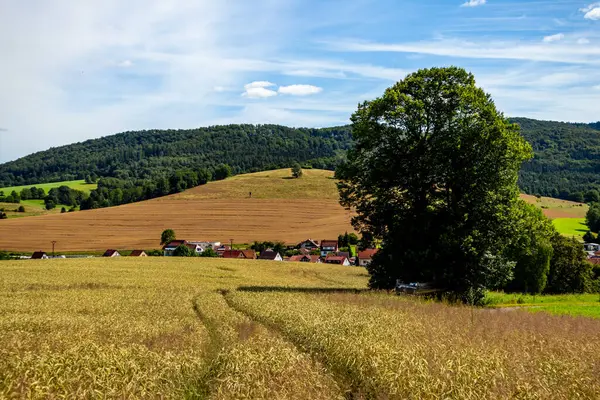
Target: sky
{"x":75,"y":70}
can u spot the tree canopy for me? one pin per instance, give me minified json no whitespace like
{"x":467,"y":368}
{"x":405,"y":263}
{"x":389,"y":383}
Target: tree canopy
{"x":167,"y":236}
{"x":433,"y":174}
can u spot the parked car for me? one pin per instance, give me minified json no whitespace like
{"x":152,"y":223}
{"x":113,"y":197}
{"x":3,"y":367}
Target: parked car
{"x":414,"y":288}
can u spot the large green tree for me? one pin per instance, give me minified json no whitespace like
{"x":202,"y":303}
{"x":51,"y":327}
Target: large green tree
{"x":570,"y":272}
{"x":592,"y":217}
{"x":433,"y":174}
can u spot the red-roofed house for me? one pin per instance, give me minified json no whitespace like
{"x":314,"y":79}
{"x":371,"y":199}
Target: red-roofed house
{"x":244,"y":254}
{"x":305,"y":258}
{"x":111,"y":253}
{"x":138,"y":253}
{"x":340,"y":260}
{"x":365,"y":257}
{"x":328,"y":246}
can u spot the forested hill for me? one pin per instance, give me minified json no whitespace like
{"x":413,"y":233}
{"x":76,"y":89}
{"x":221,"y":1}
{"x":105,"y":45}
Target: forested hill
{"x":566,"y":163}
{"x":567,"y":158}
{"x":157,"y":153}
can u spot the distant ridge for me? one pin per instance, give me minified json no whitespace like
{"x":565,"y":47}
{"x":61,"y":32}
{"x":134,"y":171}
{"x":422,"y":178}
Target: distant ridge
{"x":566,"y":163}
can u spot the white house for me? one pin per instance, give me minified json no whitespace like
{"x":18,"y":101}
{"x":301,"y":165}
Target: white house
{"x":591,"y":246}
{"x":270,"y":255}
{"x":364,"y":257}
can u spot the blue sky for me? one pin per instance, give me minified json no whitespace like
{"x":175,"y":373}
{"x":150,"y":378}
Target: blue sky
{"x":78,"y":70}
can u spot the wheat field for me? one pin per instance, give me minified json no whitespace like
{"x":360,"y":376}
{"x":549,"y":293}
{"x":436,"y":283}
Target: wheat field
{"x":280,"y":209}
{"x":234,"y":329}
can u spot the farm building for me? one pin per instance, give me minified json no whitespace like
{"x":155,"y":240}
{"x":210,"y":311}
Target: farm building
{"x":328,"y":246}
{"x":365,"y":257}
{"x":39,"y":255}
{"x":138,"y":253}
{"x":245,"y":254}
{"x":305,"y":258}
{"x":269,"y":254}
{"x":111,"y":253}
{"x":340,"y":260}
{"x":196,"y":248}
{"x":170,"y":247}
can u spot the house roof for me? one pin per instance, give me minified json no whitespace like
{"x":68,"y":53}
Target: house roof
{"x":366,"y":254}
{"x":315,"y":258}
{"x":110,"y":253}
{"x":300,"y":257}
{"x":137,"y":253}
{"x":339,"y":259}
{"x":343,"y":254}
{"x":38,"y":255}
{"x":594,"y":260}
{"x":249,"y":254}
{"x":268,"y":255}
{"x":312,"y":242}
{"x":231,"y":253}
{"x":329,"y":243}
{"x":174,"y":244}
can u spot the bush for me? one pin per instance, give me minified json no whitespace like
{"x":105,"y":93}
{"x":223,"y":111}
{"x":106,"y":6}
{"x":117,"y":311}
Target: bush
{"x":209,"y":253}
{"x":21,"y":209}
{"x":183,"y":251}
{"x":63,"y":210}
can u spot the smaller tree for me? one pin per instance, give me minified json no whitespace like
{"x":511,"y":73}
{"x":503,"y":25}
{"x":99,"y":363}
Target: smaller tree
{"x":591,"y":196}
{"x":3,"y":215}
{"x":63,"y":210}
{"x":50,"y":204}
{"x":223,"y":171}
{"x":21,"y":209}
{"x":296,"y":170}
{"x":570,"y":272}
{"x":589,"y":237}
{"x":167,"y":236}
{"x":183,"y":251}
{"x":592,"y":218}
{"x":209,"y":252}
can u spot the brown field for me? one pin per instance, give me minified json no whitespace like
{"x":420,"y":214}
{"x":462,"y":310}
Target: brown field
{"x":556,"y":208}
{"x":283,"y":209}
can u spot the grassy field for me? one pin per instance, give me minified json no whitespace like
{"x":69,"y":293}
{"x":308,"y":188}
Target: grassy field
{"x":571,"y":226}
{"x":33,"y":208}
{"x":283,"y":209}
{"x":78,"y":185}
{"x":232,"y":329}
{"x":575,"y":305}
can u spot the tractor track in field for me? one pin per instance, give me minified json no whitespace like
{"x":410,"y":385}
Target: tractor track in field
{"x":350,"y":391}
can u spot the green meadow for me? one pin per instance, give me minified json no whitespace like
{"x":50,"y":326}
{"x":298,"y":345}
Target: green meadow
{"x":77,"y":185}
{"x":586,"y":305}
{"x":570,"y":226}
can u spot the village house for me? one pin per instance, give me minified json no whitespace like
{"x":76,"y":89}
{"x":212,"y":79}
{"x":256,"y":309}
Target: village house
{"x":111,"y":253}
{"x":243,"y":254}
{"x":308,"y":244}
{"x":39,"y":255}
{"x":138,"y":253}
{"x":269,"y":254}
{"x":170,"y":247}
{"x":328,"y":246}
{"x":306,"y":258}
{"x":196,"y":248}
{"x":364,"y":257}
{"x":340,"y":260}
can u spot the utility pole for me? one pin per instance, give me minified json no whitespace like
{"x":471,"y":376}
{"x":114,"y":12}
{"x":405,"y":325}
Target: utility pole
{"x":230,"y":247}
{"x":53,"y":243}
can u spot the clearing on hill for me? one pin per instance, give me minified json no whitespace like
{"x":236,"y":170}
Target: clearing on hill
{"x":77,"y":185}
{"x":280,"y":208}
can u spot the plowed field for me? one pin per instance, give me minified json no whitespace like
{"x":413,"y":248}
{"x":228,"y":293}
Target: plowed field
{"x":280,"y":208}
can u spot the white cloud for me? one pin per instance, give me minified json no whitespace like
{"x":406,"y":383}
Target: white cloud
{"x":473,"y":3}
{"x":259,"y":93}
{"x":583,"y":41}
{"x":559,"y":53}
{"x":553,"y":38}
{"x":125,"y":64}
{"x":592,"y":11}
{"x":300,"y":90}
{"x":258,"y":84}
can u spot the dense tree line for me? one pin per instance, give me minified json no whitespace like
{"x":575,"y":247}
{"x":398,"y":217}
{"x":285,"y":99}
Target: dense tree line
{"x":150,"y":155}
{"x":566,"y":163}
